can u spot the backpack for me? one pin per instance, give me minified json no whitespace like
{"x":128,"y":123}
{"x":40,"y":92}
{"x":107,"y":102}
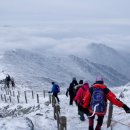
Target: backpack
{"x":57,"y":88}
{"x":98,"y":102}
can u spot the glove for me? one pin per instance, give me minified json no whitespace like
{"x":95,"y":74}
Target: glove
{"x":67,"y":94}
{"x":84,"y":110}
{"x":126,"y":108}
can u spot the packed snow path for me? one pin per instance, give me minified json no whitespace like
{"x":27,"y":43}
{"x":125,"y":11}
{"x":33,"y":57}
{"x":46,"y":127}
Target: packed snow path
{"x":42,"y":115}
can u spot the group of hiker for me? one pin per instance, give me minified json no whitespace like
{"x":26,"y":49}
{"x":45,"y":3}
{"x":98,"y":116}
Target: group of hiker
{"x":9,"y":82}
{"x":92,"y":101}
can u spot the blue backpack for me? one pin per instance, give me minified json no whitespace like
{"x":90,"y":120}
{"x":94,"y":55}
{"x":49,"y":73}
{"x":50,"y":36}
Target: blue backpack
{"x":57,"y":88}
{"x":98,"y":100}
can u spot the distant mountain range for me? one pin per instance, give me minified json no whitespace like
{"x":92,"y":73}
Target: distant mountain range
{"x":38,"y":69}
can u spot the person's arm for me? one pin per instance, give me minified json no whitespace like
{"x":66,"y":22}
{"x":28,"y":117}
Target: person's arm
{"x":112,"y":98}
{"x":52,"y":90}
{"x":86,"y":99}
{"x":78,"y":96}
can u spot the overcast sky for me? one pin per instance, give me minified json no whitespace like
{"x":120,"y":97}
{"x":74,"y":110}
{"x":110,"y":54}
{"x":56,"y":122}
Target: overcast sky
{"x":66,"y":21}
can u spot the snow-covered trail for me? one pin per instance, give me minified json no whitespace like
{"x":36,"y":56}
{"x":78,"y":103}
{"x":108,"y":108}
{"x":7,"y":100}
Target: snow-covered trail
{"x":42,"y":117}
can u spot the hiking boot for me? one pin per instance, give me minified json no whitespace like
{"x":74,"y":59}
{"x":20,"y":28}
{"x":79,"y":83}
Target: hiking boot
{"x":91,"y":128}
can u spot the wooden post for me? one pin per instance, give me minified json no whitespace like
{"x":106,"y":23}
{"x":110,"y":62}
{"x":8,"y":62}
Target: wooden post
{"x":63,"y":123}
{"x":110,"y":115}
{"x":32,"y":94}
{"x":58,"y":115}
{"x":19,"y":93}
{"x":10,"y":93}
{"x":18,"y":98}
{"x":1,"y":97}
{"x":53,"y":101}
{"x":6,"y":91}
{"x":37,"y":98}
{"x":5,"y":98}
{"x":13,"y":94}
{"x":44,"y":93}
{"x":50,"y":98}
{"x":10,"y":98}
{"x":25,"y":97}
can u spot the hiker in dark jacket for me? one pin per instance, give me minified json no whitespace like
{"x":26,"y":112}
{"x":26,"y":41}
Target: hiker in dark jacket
{"x":71,"y":90}
{"x":7,"y":81}
{"x":55,"y":90}
{"x":88,"y":100}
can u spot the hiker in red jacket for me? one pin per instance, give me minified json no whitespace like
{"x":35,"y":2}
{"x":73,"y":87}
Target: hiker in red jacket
{"x":79,"y":98}
{"x":96,"y":101}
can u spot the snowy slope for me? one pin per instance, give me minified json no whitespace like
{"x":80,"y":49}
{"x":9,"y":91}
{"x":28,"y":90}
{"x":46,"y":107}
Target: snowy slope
{"x":37,"y":69}
{"x":41,"y":115}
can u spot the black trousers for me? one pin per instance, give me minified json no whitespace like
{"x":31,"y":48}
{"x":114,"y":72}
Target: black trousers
{"x":56,"y":96}
{"x":71,"y":99}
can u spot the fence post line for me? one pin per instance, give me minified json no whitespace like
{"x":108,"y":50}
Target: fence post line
{"x":25,"y":97}
{"x":32,"y":94}
{"x":110,"y":115}
{"x":37,"y":98}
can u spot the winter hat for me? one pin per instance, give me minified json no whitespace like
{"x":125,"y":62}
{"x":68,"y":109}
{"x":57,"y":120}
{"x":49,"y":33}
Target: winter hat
{"x":53,"y":82}
{"x":81,"y":82}
{"x":74,"y":78}
{"x":99,"y":80}
{"x":86,"y":82}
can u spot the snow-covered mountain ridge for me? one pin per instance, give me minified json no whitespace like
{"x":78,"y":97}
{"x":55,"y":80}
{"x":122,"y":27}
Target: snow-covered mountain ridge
{"x":41,"y":68}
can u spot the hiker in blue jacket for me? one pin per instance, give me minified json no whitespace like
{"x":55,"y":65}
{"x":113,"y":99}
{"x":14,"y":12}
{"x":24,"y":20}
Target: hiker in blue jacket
{"x":55,"y":90}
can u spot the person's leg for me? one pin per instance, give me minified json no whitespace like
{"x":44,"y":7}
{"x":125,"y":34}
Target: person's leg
{"x":82,"y":118}
{"x":71,"y":99}
{"x":99,"y":122}
{"x":55,"y":94}
{"x":91,"y":123}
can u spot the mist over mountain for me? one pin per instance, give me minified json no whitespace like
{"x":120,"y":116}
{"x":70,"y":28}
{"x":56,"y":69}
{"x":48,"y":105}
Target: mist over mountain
{"x":102,"y":54}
